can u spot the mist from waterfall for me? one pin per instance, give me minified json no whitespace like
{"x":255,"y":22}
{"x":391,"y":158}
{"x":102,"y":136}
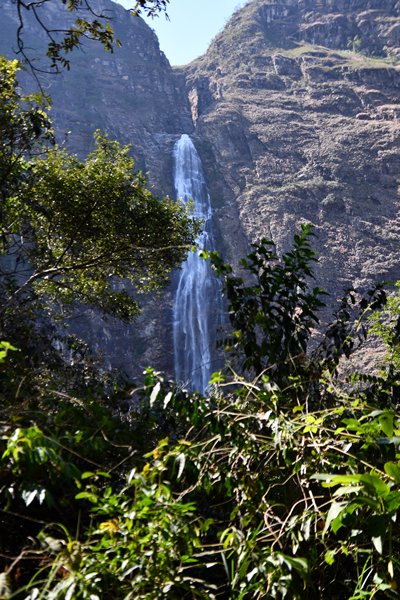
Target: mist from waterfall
{"x":197,"y":306}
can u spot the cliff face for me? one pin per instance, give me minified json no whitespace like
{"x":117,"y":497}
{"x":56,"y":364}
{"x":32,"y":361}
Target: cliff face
{"x":295,"y":112}
{"x":133,"y":95}
{"x":337,"y":24}
{"x":302,"y":131}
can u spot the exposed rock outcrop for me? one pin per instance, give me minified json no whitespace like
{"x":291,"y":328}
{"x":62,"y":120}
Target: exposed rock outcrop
{"x":308,"y":132}
{"x":295,"y":112}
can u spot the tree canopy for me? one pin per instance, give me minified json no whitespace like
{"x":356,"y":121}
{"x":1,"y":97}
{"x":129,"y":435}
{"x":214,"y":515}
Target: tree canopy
{"x":71,"y":231}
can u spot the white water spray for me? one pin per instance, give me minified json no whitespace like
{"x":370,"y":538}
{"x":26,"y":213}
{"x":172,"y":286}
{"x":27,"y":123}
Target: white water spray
{"x":197,"y":306}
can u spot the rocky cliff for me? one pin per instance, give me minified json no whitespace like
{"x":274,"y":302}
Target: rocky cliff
{"x":131,"y":92}
{"x":295,"y":112}
{"x":297,"y":103}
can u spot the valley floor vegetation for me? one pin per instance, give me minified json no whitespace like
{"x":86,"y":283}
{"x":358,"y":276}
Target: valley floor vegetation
{"x":283,"y":482}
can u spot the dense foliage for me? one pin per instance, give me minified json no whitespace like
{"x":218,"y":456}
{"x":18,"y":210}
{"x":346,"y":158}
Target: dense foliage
{"x":73,"y":232}
{"x":282,"y":483}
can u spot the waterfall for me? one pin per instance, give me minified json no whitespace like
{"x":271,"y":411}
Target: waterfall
{"x":197,"y":306}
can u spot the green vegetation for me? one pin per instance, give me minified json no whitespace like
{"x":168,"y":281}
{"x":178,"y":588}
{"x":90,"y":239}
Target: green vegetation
{"x":282,"y":483}
{"x":72,"y":233}
{"x":352,"y":57}
{"x":355,"y":44}
{"x":386,"y":325}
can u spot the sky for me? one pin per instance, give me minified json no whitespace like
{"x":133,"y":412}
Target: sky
{"x":192,"y":26}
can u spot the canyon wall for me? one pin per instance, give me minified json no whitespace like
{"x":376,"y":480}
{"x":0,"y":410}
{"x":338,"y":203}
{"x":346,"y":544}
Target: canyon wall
{"x":307,"y":132}
{"x":294,"y":111}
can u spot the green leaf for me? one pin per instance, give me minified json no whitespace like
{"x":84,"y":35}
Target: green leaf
{"x":335,"y":510}
{"x":386,"y":423}
{"x":332,"y":480}
{"x":5,"y":348}
{"x":87,"y":475}
{"x":299,"y":564}
{"x":90,"y":496}
{"x":330,"y":557}
{"x":392,"y":502}
{"x":374,"y":484}
{"x":348,"y":489}
{"x":393,"y":470}
{"x":377,"y":529}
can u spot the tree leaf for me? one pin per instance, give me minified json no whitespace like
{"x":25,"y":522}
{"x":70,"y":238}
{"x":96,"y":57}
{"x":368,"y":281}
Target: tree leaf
{"x":335,"y":510}
{"x":181,"y":460}
{"x":393,"y":470}
{"x":154,"y":393}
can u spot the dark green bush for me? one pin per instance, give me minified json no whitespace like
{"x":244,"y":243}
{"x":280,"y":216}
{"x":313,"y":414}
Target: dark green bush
{"x":283,"y":483}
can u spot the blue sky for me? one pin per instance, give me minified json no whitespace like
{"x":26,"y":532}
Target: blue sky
{"x":192,"y":25}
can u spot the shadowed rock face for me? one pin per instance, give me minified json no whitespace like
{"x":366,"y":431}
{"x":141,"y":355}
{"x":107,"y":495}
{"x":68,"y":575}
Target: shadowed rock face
{"x":131,"y":93}
{"x":134,"y":96}
{"x":294,"y":111}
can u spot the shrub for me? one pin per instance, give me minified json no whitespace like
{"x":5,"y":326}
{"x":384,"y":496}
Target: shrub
{"x":283,"y":483}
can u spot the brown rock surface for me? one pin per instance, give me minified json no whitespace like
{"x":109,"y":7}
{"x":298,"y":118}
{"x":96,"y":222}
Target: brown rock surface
{"x":304,"y":132}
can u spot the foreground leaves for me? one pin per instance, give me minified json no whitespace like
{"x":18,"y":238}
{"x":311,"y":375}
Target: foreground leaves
{"x":282,"y":485}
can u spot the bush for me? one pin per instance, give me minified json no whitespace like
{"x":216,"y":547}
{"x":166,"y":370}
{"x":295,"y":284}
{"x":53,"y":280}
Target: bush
{"x":283,"y":483}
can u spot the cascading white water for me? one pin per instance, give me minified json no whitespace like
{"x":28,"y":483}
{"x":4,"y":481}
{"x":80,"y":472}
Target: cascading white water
{"x":197,"y":302}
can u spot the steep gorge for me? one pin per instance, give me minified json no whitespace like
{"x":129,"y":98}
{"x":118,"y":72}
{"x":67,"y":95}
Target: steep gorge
{"x":294,"y":111}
